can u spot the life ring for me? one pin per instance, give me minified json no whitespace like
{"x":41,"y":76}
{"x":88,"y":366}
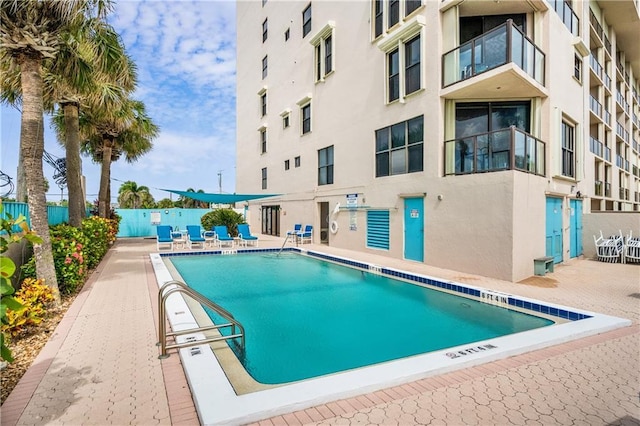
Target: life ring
{"x":334,"y":227}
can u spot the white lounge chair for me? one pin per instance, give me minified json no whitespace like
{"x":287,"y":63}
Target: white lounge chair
{"x":609,"y":249}
{"x":631,"y":249}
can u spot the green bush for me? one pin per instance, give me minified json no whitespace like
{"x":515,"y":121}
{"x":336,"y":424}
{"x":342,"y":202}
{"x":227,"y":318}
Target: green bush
{"x":68,"y":244}
{"x":100,"y":232}
{"x":35,"y":297}
{"x":226,"y":217}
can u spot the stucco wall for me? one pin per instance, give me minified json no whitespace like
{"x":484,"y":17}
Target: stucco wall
{"x":610,"y":223}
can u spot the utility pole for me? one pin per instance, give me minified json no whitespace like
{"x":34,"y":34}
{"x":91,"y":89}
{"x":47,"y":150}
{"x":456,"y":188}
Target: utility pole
{"x":220,"y":181}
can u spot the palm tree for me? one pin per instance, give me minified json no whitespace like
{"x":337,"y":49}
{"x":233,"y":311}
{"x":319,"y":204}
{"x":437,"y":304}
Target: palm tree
{"x":132,"y":196}
{"x":191,"y":203}
{"x":113,"y":131}
{"x":30,"y":31}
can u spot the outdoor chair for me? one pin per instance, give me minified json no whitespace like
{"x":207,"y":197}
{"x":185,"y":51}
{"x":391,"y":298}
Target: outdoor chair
{"x":164,"y":237}
{"x":244,"y":236}
{"x":631,"y":249}
{"x":305,"y":236}
{"x":194,"y":236}
{"x":293,"y":233}
{"x":222,"y":236}
{"x":609,"y":249}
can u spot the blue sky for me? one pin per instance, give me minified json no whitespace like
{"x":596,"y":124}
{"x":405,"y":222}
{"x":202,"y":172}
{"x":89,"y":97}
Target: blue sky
{"x":185,"y":54}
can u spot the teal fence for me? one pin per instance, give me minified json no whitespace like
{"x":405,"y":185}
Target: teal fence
{"x":143,"y":222}
{"x":56,"y":214}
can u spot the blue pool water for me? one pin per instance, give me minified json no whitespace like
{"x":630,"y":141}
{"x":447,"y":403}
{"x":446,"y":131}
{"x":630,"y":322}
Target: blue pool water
{"x":305,"y":317}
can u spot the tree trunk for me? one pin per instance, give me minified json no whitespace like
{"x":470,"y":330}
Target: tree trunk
{"x":32,"y":149}
{"x":74,"y":164}
{"x":104,"y":196}
{"x":21,"y":183}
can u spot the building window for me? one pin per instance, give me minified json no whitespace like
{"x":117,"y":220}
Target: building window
{"x":306,"y":21}
{"x":264,"y":30}
{"x":264,"y":2}
{"x":394,"y":12}
{"x":412,"y":65}
{"x":577,"y":67}
{"x":264,"y":67}
{"x":411,"y":5}
{"x":286,"y":164}
{"x":323,"y":51}
{"x":394,"y":75}
{"x":285,"y":121}
{"x":263,"y":140}
{"x":264,"y":178}
{"x":296,"y":161}
{"x":378,"y":18}
{"x":568,"y":149}
{"x":263,"y":103}
{"x":399,"y":148}
{"x":325,"y":166}
{"x":305,"y":113}
{"x":287,"y":33}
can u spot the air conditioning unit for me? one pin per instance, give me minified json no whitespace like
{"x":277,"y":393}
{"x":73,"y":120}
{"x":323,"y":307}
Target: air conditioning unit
{"x":324,"y":235}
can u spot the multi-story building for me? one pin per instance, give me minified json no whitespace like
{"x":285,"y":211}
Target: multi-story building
{"x":466,"y":134}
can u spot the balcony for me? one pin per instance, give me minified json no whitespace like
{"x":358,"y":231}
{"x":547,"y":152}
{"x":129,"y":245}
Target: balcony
{"x":568,"y":16}
{"x":607,"y":154}
{"x":636,"y":145}
{"x":624,"y":194}
{"x":504,"y":57}
{"x":595,"y":25}
{"x":622,"y":132}
{"x":595,"y":106}
{"x":597,"y":190}
{"x":607,"y":189}
{"x":595,"y":146}
{"x":622,"y":101}
{"x":504,"y":149}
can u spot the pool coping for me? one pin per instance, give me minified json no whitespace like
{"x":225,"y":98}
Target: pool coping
{"x":217,"y":402}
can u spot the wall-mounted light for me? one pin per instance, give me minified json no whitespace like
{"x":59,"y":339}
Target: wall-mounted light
{"x":440,"y":197}
{"x":144,"y":214}
{"x":166,"y":212}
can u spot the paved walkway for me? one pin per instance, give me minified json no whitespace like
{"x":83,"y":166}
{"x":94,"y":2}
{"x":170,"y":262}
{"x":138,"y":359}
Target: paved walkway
{"x":101,"y":367}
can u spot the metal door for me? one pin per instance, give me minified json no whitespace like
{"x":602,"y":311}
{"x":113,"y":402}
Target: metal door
{"x":414,"y":229}
{"x":575,"y":228}
{"x":553,"y":232}
{"x":271,"y":220}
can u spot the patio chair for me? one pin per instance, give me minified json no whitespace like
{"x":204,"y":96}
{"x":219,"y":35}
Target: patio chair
{"x":631,"y":249}
{"x":222,"y":236}
{"x":244,"y":236}
{"x":164,"y":237}
{"x":194,"y":236}
{"x":179,"y":237}
{"x":305,"y":236}
{"x":209,"y":237}
{"x":293,"y":233}
{"x":609,"y":249}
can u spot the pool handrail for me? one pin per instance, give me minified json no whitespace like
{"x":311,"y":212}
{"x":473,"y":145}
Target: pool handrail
{"x":181,"y":287}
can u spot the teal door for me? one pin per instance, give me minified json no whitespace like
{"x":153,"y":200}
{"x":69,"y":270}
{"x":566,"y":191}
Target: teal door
{"x":414,"y":229}
{"x":575,"y":230}
{"x":554,"y":229}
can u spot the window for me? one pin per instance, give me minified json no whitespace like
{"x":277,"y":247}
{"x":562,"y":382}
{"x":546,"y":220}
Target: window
{"x":287,"y":33}
{"x":264,"y":178}
{"x":568,"y":149}
{"x":306,"y":118}
{"x":264,"y":67}
{"x":285,"y":121}
{"x":264,"y":2}
{"x":412,"y":65}
{"x":286,"y":164}
{"x":325,"y":166}
{"x":399,"y":148}
{"x":323,"y":51}
{"x":394,"y":75}
{"x":263,"y":104}
{"x":306,"y":21}
{"x":378,"y":18}
{"x":394,"y":12}
{"x":263,"y":140}
{"x":577,"y":67}
{"x":264,"y":30}
{"x":403,"y":64}
{"x":296,"y":161}
{"x":411,"y":5}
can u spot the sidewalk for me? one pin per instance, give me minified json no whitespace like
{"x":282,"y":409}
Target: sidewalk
{"x":101,"y":367}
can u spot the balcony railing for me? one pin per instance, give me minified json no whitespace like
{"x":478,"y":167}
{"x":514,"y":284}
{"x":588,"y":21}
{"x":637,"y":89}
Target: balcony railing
{"x":595,"y":24}
{"x":607,"y":117}
{"x":622,"y":101}
{"x":597,"y":190}
{"x":504,"y":149}
{"x":622,"y":132}
{"x":596,"y":146}
{"x":635,"y":171}
{"x":567,"y":15}
{"x":637,"y":197}
{"x":607,"y":80}
{"x":624,"y":194}
{"x":607,"y":154}
{"x":595,"y":66}
{"x":607,"y":189}
{"x":490,"y":50}
{"x":607,"y":44}
{"x":636,"y":145}
{"x":595,"y":106}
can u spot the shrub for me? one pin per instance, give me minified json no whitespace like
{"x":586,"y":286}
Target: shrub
{"x":100,"y":232}
{"x":226,"y":217}
{"x":35,"y":297}
{"x":68,"y":244}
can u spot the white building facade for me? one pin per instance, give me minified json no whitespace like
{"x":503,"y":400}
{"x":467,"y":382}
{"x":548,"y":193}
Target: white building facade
{"x":469,"y":135}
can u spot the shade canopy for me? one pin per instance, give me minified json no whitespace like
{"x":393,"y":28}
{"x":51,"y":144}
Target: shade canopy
{"x":219,"y":198}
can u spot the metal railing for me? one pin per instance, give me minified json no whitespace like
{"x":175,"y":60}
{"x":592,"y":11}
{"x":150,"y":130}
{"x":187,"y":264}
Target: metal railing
{"x":504,"y":149}
{"x":501,"y":45}
{"x":568,"y":16}
{"x":598,"y":188}
{"x":180,"y":287}
{"x":595,"y":146}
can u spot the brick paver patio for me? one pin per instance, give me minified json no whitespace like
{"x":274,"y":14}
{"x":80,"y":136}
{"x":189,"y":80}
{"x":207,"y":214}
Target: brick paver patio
{"x":101,"y":366}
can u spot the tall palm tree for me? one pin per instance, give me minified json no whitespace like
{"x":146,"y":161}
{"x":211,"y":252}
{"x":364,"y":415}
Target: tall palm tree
{"x":30,"y":32}
{"x":191,"y":203}
{"x":132,"y":196}
{"x":110,"y":132}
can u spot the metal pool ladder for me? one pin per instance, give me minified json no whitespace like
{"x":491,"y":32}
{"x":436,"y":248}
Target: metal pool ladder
{"x":237,"y":330}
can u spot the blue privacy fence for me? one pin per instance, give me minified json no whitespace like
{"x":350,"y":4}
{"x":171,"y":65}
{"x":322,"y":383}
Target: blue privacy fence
{"x":143,"y":222}
{"x":56,"y":214}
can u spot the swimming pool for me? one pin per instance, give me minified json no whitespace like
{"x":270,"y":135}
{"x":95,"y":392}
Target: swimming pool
{"x":217,"y":401}
{"x":307,"y":317}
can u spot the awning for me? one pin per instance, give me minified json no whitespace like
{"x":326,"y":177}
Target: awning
{"x":219,"y":198}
